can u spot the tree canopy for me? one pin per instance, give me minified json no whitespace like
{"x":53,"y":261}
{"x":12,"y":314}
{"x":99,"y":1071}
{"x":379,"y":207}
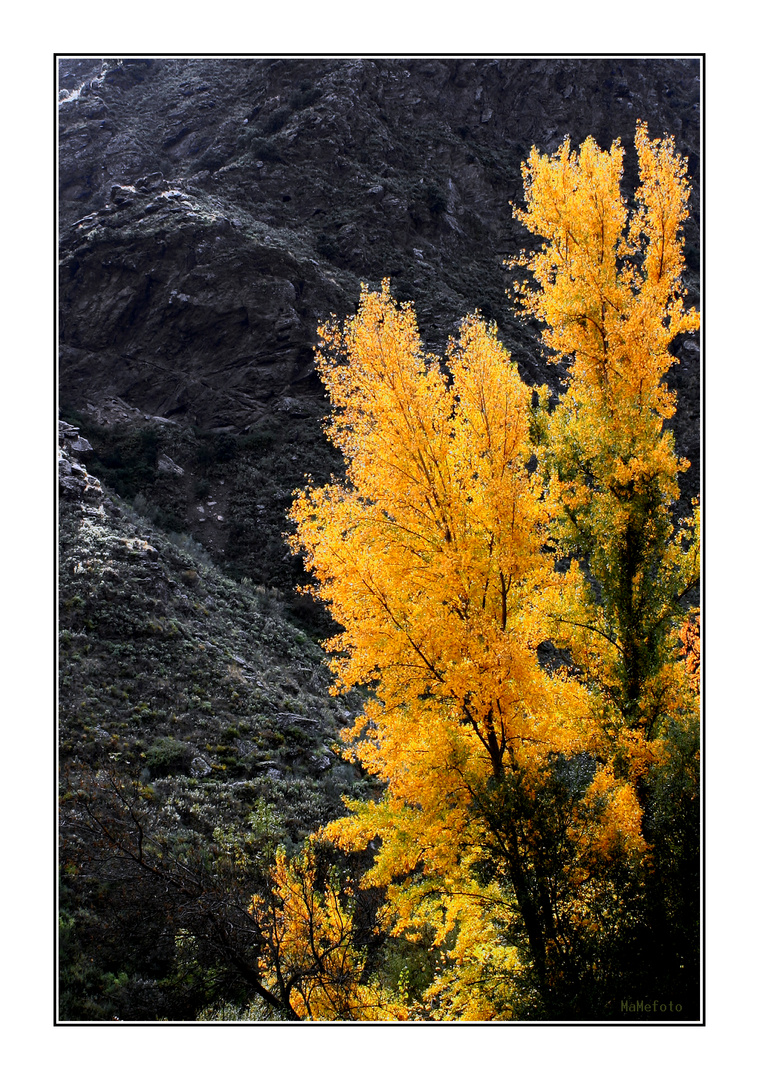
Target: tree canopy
{"x":517,"y":595}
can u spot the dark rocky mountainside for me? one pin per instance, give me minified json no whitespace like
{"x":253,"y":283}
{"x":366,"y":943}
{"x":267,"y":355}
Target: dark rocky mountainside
{"x":194,"y":722}
{"x":158,"y":649}
{"x":214,"y":211}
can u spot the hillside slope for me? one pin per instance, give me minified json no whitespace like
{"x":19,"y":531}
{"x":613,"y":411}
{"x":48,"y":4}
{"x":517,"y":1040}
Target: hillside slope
{"x":188,"y":704}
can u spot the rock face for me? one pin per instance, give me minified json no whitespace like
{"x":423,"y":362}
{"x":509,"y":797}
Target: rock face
{"x":214,"y":211}
{"x":73,"y":479}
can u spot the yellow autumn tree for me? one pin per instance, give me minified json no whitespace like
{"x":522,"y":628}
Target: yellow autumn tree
{"x":607,"y":286}
{"x":432,"y":556}
{"x":519,"y":630}
{"x":310,"y":955}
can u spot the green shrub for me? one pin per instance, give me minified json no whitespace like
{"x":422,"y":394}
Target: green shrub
{"x":168,"y":756}
{"x":434,"y":196}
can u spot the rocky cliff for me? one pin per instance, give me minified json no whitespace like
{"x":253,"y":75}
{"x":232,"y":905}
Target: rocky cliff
{"x":214,"y":211}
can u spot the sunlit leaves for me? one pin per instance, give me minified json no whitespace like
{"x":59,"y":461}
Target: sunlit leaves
{"x":608,"y":289}
{"x":433,"y":558}
{"x":511,"y":822}
{"x":310,"y":953}
{"x":432,"y":555}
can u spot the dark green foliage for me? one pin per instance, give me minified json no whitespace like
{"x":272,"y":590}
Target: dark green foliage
{"x":275,"y":120}
{"x":128,"y":460}
{"x":167,"y":756}
{"x":213,"y":159}
{"x":262,"y":437}
{"x":435,"y":199}
{"x":408,"y":966}
{"x":266,"y":150}
{"x":668,"y":941}
{"x":160,"y":928}
{"x":215,"y":448}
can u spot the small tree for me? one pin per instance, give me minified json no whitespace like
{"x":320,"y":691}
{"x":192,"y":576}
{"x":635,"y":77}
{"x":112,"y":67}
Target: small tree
{"x":312,"y":955}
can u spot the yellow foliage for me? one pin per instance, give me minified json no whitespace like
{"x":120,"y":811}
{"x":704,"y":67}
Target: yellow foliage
{"x":312,"y":958}
{"x":614,"y":823}
{"x":609,"y":285}
{"x":608,"y":289}
{"x":431,"y":556}
{"x":438,"y":558}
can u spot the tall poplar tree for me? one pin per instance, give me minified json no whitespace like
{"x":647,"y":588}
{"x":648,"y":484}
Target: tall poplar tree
{"x":434,"y":557}
{"x":607,"y":287}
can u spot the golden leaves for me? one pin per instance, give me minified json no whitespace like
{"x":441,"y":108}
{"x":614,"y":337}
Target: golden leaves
{"x":431,"y":556}
{"x":311,"y":954}
{"x":609,"y":284}
{"x":437,"y":558}
{"x":608,"y":289}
